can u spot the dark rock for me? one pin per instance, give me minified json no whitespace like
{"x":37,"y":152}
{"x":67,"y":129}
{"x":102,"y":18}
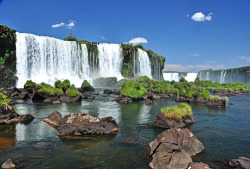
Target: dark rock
{"x":23,"y":95}
{"x":8,"y":164}
{"x":88,"y":89}
{"x":107,"y":91}
{"x":26,"y":118}
{"x":148,"y":101}
{"x":164,"y":122}
{"x":144,"y":97}
{"x":70,"y":99}
{"x":95,"y":93}
{"x":51,"y":99}
{"x":8,"y":115}
{"x":36,"y":95}
{"x":126,"y":100}
{"x":54,"y":119}
{"x":85,"y":95}
{"x":117,"y":92}
{"x":84,"y":124}
{"x":240,"y":163}
{"x":14,"y":94}
{"x":173,"y":149}
{"x":231,"y":103}
{"x":197,"y":165}
{"x":91,"y":97}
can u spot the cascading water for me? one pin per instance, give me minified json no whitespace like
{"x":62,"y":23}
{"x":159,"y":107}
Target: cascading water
{"x":110,"y":60}
{"x":171,"y":76}
{"x":223,"y":76}
{"x":46,"y":59}
{"x":144,"y":64}
{"x":191,"y":77}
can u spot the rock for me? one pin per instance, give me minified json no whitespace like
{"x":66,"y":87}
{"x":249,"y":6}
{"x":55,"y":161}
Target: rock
{"x":148,"y":101}
{"x":144,"y":97}
{"x":95,"y":93}
{"x":54,"y":119}
{"x":240,"y":163}
{"x":88,"y":89}
{"x":231,"y":103}
{"x":84,"y":124}
{"x":126,"y":100}
{"x":197,"y":165}
{"x":56,"y":102}
{"x":14,"y":94}
{"x":51,"y":99}
{"x":91,"y":97}
{"x":107,"y":91}
{"x":85,"y":95}
{"x":70,"y":99}
{"x":156,"y":97}
{"x":8,"y":115}
{"x":117,"y":92}
{"x":39,"y":95}
{"x":24,"y":95}
{"x":8,"y":164}
{"x":26,"y":118}
{"x":42,"y":145}
{"x":164,"y":122}
{"x":173,"y":149}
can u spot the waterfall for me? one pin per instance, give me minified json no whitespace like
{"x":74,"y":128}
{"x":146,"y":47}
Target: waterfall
{"x":110,"y":60}
{"x":223,"y":76}
{"x":144,"y":64}
{"x":171,"y":76}
{"x":46,"y":59}
{"x":191,"y":77}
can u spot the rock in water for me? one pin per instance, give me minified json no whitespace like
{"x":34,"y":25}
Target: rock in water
{"x":54,"y":119}
{"x":117,"y":92}
{"x":239,"y":163}
{"x":163,"y":121}
{"x":26,"y":118}
{"x":107,"y":91}
{"x":148,"y":101}
{"x":8,"y":164}
{"x":84,"y":124}
{"x":173,"y":149}
{"x":198,"y":166}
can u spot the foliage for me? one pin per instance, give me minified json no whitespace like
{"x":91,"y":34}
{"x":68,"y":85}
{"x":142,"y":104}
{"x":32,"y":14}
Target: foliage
{"x":4,"y":100}
{"x":217,"y":98}
{"x":65,"y":83}
{"x":85,"y":84}
{"x":133,"y":89}
{"x":177,"y":112}
{"x":72,"y":91}
{"x":70,"y":37}
{"x":30,"y":84}
{"x":121,"y":82}
{"x":46,"y":88}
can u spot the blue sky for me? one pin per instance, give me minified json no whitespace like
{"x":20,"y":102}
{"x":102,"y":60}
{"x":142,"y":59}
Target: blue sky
{"x":191,"y":34}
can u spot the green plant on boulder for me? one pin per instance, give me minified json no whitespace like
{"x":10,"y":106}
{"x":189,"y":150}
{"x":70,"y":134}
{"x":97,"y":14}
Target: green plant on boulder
{"x":177,"y":112}
{"x":46,"y":88}
{"x":72,"y":91}
{"x":30,"y":84}
{"x":85,"y":84}
{"x":133,"y":89}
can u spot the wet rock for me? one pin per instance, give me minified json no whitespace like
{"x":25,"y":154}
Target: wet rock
{"x":26,"y":118}
{"x":8,"y":164}
{"x":8,"y":115}
{"x":51,"y":99}
{"x":156,"y":97}
{"x":70,"y":99}
{"x":56,"y":102}
{"x":117,"y":92}
{"x":126,"y":100}
{"x":84,"y":124}
{"x":42,"y":145}
{"x":240,"y":163}
{"x":148,"y":101}
{"x":196,"y":165}
{"x":23,"y":95}
{"x":36,"y":95}
{"x":54,"y":118}
{"x":95,"y":93}
{"x":144,"y":97}
{"x":87,"y":89}
{"x":85,"y":95}
{"x":173,"y":149}
{"x":107,"y":91}
{"x":163,"y":121}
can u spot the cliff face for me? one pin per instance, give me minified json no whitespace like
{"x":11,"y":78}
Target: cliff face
{"x":7,"y":56}
{"x":241,"y":74}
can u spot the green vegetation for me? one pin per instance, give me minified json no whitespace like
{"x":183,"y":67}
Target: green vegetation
{"x":179,"y":111}
{"x":30,"y":84}
{"x":4,"y":100}
{"x":133,"y":89}
{"x":217,"y":98}
{"x":46,"y":88}
{"x":70,"y":37}
{"x":85,"y":84}
{"x":72,"y":91}
{"x":65,"y":84}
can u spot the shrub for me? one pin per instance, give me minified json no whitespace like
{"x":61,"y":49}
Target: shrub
{"x":177,"y":112}
{"x":205,"y":94}
{"x":72,"y":91}
{"x":4,"y":100}
{"x":58,"y":84}
{"x":46,"y":88}
{"x":65,"y":83}
{"x":217,"y":98}
{"x":85,"y":84}
{"x":30,"y":84}
{"x":133,"y":89}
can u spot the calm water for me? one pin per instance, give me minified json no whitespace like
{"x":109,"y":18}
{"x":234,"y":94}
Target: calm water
{"x":225,"y":134}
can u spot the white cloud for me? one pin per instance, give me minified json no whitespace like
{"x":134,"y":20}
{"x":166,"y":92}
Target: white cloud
{"x":200,"y":17}
{"x":58,"y":25}
{"x":70,"y":25}
{"x":195,"y":55}
{"x":138,"y":40}
{"x":191,"y":68}
{"x":103,"y":38}
{"x":247,"y":59}
{"x":187,"y":15}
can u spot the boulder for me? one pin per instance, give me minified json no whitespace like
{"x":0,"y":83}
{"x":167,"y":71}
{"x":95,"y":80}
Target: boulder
{"x":87,"y":89}
{"x":70,"y":99}
{"x":156,"y":97}
{"x":117,"y":92}
{"x":173,"y":149}
{"x":107,"y":91}
{"x":23,"y":95}
{"x":8,"y":115}
{"x":54,"y":119}
{"x":197,"y":165}
{"x":51,"y":99}
{"x":125,"y":100}
{"x":231,"y":103}
{"x":56,"y":102}
{"x":8,"y":164}
{"x":95,"y":93}
{"x":240,"y":163}
{"x":144,"y":97}
{"x":164,"y":122}
{"x":148,"y":101}
{"x":36,"y":95}
{"x":84,"y":124}
{"x":26,"y":118}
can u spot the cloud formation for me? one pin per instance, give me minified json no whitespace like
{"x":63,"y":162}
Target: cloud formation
{"x":138,"y":40}
{"x":247,"y":59}
{"x":70,"y":25}
{"x":190,"y":68}
{"x":200,"y":17}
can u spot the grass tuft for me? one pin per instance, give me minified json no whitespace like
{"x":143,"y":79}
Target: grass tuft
{"x":177,"y":112}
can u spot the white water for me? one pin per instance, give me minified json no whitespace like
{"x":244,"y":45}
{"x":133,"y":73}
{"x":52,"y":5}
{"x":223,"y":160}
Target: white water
{"x":144,"y":64}
{"x":191,"y":77}
{"x":171,"y":76}
{"x":222,"y":76}
{"x":46,"y":59}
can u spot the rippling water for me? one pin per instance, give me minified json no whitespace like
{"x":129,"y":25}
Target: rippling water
{"x":224,"y":132}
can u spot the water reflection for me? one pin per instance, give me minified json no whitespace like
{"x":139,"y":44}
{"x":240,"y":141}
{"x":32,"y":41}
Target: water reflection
{"x":7,"y":137}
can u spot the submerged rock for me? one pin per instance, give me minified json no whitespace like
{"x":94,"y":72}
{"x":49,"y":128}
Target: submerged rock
{"x":51,"y":99}
{"x":26,"y":118}
{"x":107,"y":91}
{"x":198,"y":166}
{"x":70,"y":99}
{"x":84,"y":124}
{"x":54,"y":118}
{"x":240,"y":163}
{"x":173,"y":149}
{"x":8,"y":164}
{"x":124,"y":100}
{"x":148,"y":101}
{"x":117,"y":92}
{"x":163,"y":121}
